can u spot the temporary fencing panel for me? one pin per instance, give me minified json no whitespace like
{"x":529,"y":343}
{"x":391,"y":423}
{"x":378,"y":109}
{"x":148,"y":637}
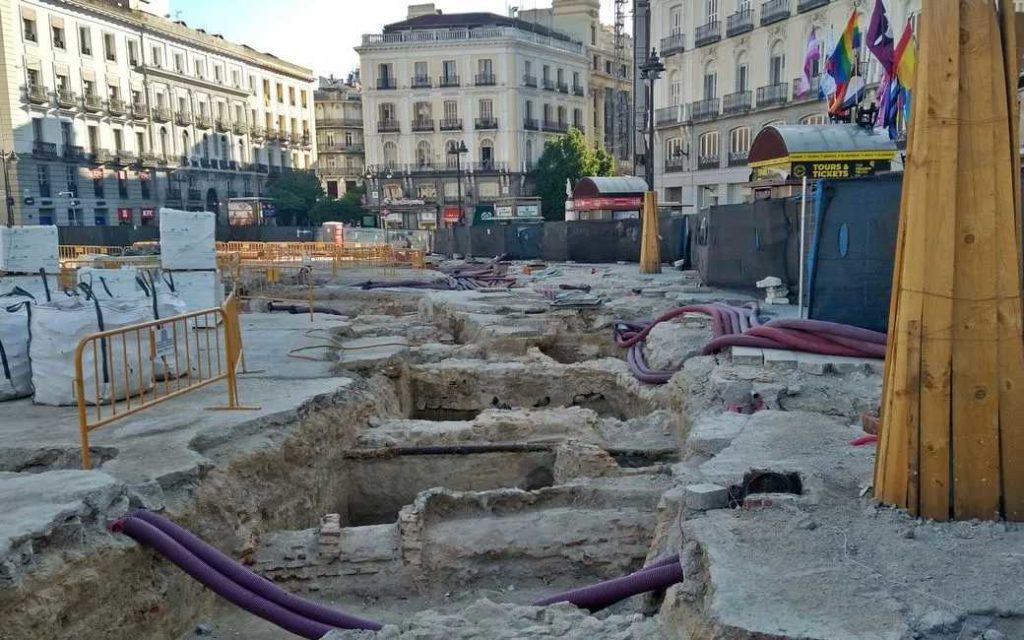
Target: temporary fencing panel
{"x":737,"y":245}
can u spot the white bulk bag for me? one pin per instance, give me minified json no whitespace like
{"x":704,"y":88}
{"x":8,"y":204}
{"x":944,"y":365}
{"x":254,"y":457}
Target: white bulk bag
{"x":29,"y":249}
{"x":175,"y":347}
{"x":118,"y":284}
{"x":41,"y":288}
{"x":58,"y":326}
{"x":188,"y":240}
{"x":15,"y":370}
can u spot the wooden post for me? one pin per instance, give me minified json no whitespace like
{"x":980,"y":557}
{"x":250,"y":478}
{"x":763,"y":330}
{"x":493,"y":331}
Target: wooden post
{"x":952,"y":437}
{"x":650,"y":247}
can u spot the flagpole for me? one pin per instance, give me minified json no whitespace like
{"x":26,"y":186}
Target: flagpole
{"x":803,"y":245}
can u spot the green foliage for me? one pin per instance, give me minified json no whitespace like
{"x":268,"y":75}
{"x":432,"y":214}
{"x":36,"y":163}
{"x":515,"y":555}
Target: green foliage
{"x":348,"y":208}
{"x":295,"y":193}
{"x":567,"y":157}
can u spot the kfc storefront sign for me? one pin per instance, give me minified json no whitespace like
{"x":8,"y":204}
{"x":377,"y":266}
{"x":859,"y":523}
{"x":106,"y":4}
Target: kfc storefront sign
{"x":148,"y":214}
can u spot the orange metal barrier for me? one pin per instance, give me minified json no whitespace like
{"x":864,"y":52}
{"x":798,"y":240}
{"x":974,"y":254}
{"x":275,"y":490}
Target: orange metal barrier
{"x":124,"y":371}
{"x":275,"y":282}
{"x":75,"y":251}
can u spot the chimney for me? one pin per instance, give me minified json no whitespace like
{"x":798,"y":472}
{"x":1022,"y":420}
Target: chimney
{"x":417,"y":10}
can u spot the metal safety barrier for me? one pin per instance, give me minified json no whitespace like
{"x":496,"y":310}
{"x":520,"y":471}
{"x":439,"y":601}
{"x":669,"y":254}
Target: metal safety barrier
{"x":125,"y":371}
{"x":275,"y":282}
{"x":69,"y":252}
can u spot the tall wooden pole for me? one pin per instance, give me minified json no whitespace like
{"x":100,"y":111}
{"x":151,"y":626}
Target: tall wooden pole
{"x":952,"y":440}
{"x":650,"y":249}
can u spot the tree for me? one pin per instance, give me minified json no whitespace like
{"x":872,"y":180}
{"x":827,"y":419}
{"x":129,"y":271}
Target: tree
{"x":294,"y":193}
{"x":567,"y":157}
{"x":348,"y":208}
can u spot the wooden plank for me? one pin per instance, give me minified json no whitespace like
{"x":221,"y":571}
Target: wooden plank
{"x":1011,"y":62}
{"x":975,"y":361}
{"x":946,"y":178}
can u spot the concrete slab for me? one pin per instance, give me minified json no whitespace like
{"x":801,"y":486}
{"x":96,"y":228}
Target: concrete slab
{"x":712,"y":433}
{"x":779,"y":359}
{"x":747,"y":356}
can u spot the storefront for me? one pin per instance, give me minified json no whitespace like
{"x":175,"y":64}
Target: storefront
{"x":619,"y":198}
{"x":507,"y":211}
{"x":782,"y":156}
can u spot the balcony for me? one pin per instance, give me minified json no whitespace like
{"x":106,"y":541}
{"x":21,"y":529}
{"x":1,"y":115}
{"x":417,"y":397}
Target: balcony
{"x":578,"y":90}
{"x":37,"y":94}
{"x":486,"y":124}
{"x":389,"y":126}
{"x":420,"y":82}
{"x":183,"y":119}
{"x":705,"y":110}
{"x":451,"y":124}
{"x":738,"y":158}
{"x":386,"y":84}
{"x":448,"y":81}
{"x":709,"y":162}
{"x":739,"y":22}
{"x":233,"y":165}
{"x":530,"y":81}
{"x":124,"y":158}
{"x":173,"y":195}
{"x":774,"y":11}
{"x":239,"y":128}
{"x":204,"y":121}
{"x":485,"y":80}
{"x":223,"y":125}
{"x":351,"y":123}
{"x":709,"y":33}
{"x":423,"y":167}
{"x":152,"y":160}
{"x":232,"y":193}
{"x":810,"y":94}
{"x":195,"y":195}
{"x":101,"y":156}
{"x":262,"y":168}
{"x":739,"y":102}
{"x":117,"y":107}
{"x":66,"y":99}
{"x":139,"y":111}
{"x":668,"y":116}
{"x":675,"y":164}
{"x":555,"y":127}
{"x":162,"y":114}
{"x":549,"y":84}
{"x":92,"y":103}
{"x":204,"y":163}
{"x":673,"y":44}
{"x":773,"y":95}
{"x":531,"y":124}
{"x":46,"y":150}
{"x":258,"y":132}
{"x":807,"y":5}
{"x":422,"y":125}
{"x":74,"y":153}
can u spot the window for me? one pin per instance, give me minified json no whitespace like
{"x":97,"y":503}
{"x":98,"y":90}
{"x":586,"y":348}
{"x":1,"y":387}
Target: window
{"x":390,"y":154}
{"x":577,"y":118}
{"x":597,"y":62}
{"x":144,"y":179}
{"x":200,"y":68}
{"x":136,"y":97}
{"x":547,"y":73}
{"x":486,"y":109}
{"x":448,"y":70}
{"x":421,"y":73}
{"x":387,"y":112}
{"x":37,"y":130}
{"x":710,"y":81}
{"x":58,"y":37}
{"x":71,"y":180}
{"x":674,"y":149}
{"x":608,"y":67}
{"x":113,"y":92}
{"x":742,"y":75}
{"x":561,"y":115}
{"x":487,"y":154}
{"x":576,"y":79}
{"x":280,"y":93}
{"x":122,"y":183}
{"x":711,"y":10}
{"x":218,"y":73}
{"x":777,"y":64}
{"x":303,"y":100}
{"x":109,"y":47}
{"x":94,"y":138}
{"x":739,"y":142}
{"x":118,"y":141}
{"x":156,"y":56}
{"x":451,"y":110}
{"x":206,"y":146}
{"x":179,"y":62}
{"x":675,"y":89}
{"x":140,"y":141}
{"x":98,"y":189}
{"x":67,"y":133}
{"x":43,"y":173}
{"x":163,"y":142}
{"x":529,"y":109}
{"x":528,"y":68}
{"x":182,"y":105}
{"x":29,"y":29}
{"x":236,"y":78}
{"x":85,"y":41}
{"x":485,"y":66}
{"x":252,"y":85}
{"x":33,"y":77}
{"x":424,"y":154}
{"x":675,"y":20}
{"x":709,"y":145}
{"x":593,"y":34}
{"x":133,"y":53}
{"x":547,"y":114}
{"x":422,"y":111}
{"x":291,"y":96}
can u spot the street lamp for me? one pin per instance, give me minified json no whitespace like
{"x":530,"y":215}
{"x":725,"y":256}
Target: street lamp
{"x":8,"y":157}
{"x":378,"y":179}
{"x":457,"y":151}
{"x":650,"y":71}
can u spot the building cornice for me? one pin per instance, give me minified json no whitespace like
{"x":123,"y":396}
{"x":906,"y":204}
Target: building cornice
{"x":152,"y":24}
{"x":192,"y":82}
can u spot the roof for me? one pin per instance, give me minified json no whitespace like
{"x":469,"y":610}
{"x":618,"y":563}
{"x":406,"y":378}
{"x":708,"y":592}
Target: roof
{"x":621,"y":185}
{"x":790,"y":142}
{"x":471,"y":20}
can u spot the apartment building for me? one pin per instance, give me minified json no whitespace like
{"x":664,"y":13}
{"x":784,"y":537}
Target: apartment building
{"x":112,"y":112}
{"x":338,"y":108}
{"x":732,"y":68}
{"x":500,"y":86}
{"x":609,"y":50}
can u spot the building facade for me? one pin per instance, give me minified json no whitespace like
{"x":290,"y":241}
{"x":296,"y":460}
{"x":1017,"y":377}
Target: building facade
{"x":500,"y":86}
{"x":112,"y":112}
{"x":732,"y":68}
{"x":340,"y":145}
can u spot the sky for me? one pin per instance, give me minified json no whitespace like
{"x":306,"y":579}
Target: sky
{"x":321,"y":34}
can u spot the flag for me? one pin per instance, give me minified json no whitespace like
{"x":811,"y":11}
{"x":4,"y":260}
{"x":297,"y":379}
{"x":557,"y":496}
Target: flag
{"x":828,"y":86}
{"x":880,"y":40}
{"x":813,"y":53}
{"x":854,"y":93}
{"x":842,"y":63}
{"x":905,"y":57}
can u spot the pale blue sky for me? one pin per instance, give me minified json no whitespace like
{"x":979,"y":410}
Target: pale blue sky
{"x":321,"y":33}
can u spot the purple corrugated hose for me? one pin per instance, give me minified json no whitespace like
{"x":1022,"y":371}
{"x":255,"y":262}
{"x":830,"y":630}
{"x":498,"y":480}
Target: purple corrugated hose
{"x":605,"y":594}
{"x":146,"y":534}
{"x":252,"y":581}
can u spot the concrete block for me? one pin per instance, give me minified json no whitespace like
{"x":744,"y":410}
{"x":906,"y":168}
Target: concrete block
{"x":714,"y":432}
{"x":747,"y":356}
{"x":779,"y":359}
{"x":703,"y":497}
{"x":776,"y":301}
{"x":814,"y":364}
{"x":770,"y":281}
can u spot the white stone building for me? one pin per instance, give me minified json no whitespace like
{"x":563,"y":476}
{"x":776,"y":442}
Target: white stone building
{"x":500,"y":85}
{"x":114,"y":111}
{"x":339,"y":134}
{"x":733,"y":67}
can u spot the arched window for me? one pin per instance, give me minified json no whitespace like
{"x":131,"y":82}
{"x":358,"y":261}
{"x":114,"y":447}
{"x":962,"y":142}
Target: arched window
{"x":241,"y":150}
{"x":710,"y":80}
{"x":186,"y":146}
{"x":388,"y":113}
{"x":742,"y":73}
{"x":206,"y":146}
{"x":487,"y":154}
{"x":424,"y":154}
{"x":390,"y":155}
{"x":739,"y":146}
{"x":710,"y":153}
{"x":814,"y":118}
{"x":777,"y":63}
{"x":451,"y":160}
{"x":163,"y":142}
{"x":674,"y":159}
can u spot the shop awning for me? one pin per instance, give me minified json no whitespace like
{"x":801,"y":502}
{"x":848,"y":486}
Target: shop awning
{"x":623,"y":193}
{"x":788,"y":152}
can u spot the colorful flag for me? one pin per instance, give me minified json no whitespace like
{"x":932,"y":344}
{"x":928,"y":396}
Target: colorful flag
{"x":842,"y":62}
{"x":828,"y":86}
{"x":880,"y":40}
{"x":813,"y":53}
{"x":905,"y":59}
